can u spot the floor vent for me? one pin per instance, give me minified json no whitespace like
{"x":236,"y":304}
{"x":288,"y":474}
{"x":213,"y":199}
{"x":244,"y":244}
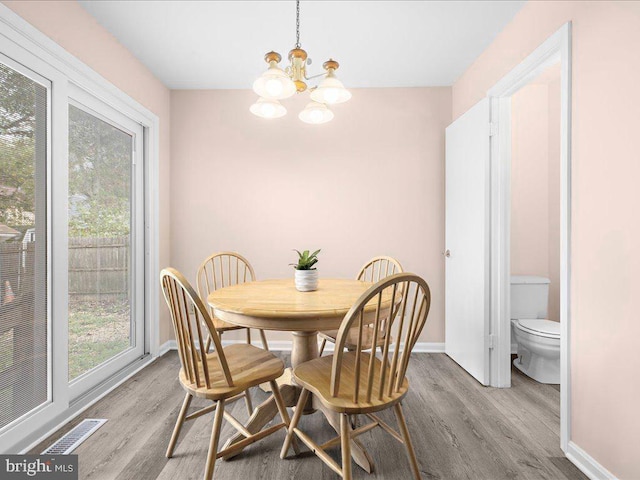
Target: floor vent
{"x":74,"y":437}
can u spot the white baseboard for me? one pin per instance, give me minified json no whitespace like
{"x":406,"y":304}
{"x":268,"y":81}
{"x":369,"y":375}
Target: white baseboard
{"x":166,"y":346}
{"x":429,"y":347}
{"x":285,"y":346}
{"x":587,"y":464}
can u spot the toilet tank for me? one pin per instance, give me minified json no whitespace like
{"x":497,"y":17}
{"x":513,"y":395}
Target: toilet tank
{"x":529,"y":296}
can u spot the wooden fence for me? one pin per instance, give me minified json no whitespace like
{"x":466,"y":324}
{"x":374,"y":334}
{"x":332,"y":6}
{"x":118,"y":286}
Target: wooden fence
{"x":16,"y":269}
{"x":98,"y":267}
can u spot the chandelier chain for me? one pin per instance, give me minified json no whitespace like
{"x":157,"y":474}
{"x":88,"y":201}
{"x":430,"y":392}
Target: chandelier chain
{"x":297,"y":23}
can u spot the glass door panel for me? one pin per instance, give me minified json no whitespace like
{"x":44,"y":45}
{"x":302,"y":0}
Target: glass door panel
{"x":105,"y":230}
{"x":24,"y":319}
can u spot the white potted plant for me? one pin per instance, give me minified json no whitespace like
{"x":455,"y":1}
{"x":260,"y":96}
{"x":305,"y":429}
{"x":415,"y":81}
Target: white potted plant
{"x":306,"y":275}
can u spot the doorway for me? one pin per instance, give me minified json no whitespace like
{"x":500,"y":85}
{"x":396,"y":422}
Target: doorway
{"x":535,"y":228}
{"x":549,"y":59}
{"x":478,"y":226}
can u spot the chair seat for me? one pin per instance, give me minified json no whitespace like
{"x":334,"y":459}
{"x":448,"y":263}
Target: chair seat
{"x":351,"y":342}
{"x":223,"y":326}
{"x":315,"y":376}
{"x":249,"y":366}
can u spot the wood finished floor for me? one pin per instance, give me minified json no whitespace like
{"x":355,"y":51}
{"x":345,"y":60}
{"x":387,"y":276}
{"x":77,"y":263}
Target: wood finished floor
{"x":460,"y":430}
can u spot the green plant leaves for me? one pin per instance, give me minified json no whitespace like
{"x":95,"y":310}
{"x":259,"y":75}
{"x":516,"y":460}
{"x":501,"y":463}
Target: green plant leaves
{"x":305,"y":260}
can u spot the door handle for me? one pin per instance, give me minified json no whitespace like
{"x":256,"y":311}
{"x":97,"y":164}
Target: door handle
{"x":447,"y":253}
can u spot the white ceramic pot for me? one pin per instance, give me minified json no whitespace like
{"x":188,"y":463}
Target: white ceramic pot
{"x":306,"y":280}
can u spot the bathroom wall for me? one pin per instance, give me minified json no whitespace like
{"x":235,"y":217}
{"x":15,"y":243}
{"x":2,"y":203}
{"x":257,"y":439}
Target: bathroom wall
{"x":535,"y":183}
{"x":553,"y":144}
{"x":605,"y":233}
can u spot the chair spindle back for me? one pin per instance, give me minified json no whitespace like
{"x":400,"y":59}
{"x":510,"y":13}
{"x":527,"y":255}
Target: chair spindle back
{"x":375,"y":270}
{"x":189,"y":329}
{"x":223,"y":269}
{"x":408,"y":297}
{"x":378,"y":268}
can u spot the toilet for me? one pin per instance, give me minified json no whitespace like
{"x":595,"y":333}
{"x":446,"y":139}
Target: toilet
{"x":537,"y":338}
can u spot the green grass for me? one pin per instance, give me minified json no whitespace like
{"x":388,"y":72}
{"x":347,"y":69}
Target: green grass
{"x":6,"y":406}
{"x":97,"y":332}
{"x":6,"y":350}
{"x":6,"y":360}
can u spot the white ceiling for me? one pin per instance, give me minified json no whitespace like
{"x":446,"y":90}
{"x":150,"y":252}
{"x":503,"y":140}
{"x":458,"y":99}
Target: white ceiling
{"x":221,"y":44}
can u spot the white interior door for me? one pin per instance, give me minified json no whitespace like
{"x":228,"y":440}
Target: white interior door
{"x":467,"y":236}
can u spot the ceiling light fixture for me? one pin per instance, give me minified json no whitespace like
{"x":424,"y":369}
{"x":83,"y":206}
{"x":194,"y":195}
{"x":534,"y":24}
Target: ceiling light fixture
{"x":277,"y":84}
{"x":267,"y":108}
{"x":316,"y":112}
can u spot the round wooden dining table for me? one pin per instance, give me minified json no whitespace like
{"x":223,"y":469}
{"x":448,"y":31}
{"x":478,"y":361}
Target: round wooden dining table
{"x":277,"y":305}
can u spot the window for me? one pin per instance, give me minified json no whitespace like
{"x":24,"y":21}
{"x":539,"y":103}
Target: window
{"x":24,"y":332}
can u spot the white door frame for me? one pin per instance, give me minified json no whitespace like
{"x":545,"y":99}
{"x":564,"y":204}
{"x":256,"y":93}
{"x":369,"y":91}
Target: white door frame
{"x":555,"y":48}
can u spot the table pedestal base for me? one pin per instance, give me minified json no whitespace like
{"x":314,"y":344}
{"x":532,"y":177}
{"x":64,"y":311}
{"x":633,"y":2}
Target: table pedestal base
{"x":305,"y":348}
{"x":264,"y":413}
{"x":267,"y":410}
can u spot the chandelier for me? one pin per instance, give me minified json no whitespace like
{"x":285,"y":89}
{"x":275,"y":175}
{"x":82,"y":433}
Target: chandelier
{"x":277,"y":84}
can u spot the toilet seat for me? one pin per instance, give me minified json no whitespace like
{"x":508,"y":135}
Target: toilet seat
{"x":539,"y":327}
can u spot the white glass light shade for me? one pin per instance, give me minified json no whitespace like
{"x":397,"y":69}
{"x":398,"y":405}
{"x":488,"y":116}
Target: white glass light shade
{"x":267,"y":108}
{"x":274,"y":84}
{"x":331,"y":91}
{"x":316,"y":113}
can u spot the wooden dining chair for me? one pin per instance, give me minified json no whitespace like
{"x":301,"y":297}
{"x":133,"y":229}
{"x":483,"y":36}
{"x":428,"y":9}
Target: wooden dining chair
{"x":222,"y":375}
{"x":373,"y":271}
{"x":359,"y":383}
{"x":220,"y":270}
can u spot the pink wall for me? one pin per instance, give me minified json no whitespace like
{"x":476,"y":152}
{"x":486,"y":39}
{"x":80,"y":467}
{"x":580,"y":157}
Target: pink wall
{"x":605,"y":258}
{"x":535,"y":182}
{"x":553,"y":143}
{"x":529,"y":182}
{"x":71,"y":27}
{"x":392,"y":141}
{"x":368,"y":183}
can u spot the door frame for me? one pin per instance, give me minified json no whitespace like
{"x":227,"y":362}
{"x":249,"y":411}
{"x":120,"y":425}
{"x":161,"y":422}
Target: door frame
{"x":556,"y":48}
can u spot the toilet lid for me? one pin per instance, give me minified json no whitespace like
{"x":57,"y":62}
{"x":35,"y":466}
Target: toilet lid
{"x":541,"y":327}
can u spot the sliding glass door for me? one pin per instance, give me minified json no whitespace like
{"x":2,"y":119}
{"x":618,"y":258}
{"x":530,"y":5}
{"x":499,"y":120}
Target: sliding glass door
{"x":77,"y":270}
{"x":106,"y":248}
{"x":25,"y":360}
{"x":105,"y":243}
